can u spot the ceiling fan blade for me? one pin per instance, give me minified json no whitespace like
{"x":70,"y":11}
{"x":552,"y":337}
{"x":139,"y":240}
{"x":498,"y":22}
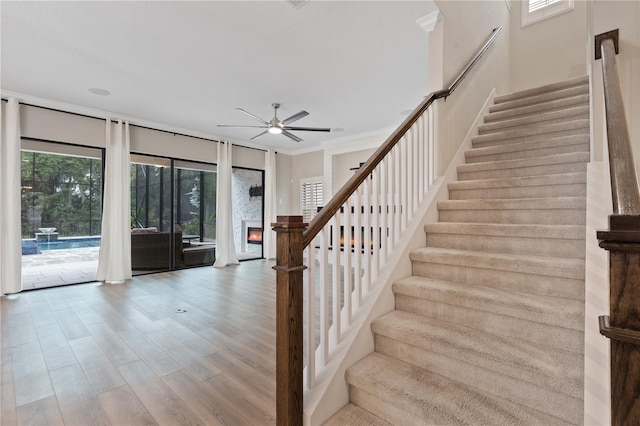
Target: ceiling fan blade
{"x":308,"y":129}
{"x":294,"y":117}
{"x":239,"y":125}
{"x":259,"y":134}
{"x":291,"y":136}
{"x":252,"y":116}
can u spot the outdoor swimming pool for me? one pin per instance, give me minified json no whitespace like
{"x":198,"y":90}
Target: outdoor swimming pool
{"x":32,"y":247}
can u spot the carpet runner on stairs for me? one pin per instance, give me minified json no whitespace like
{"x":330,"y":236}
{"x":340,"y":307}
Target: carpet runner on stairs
{"x":489,"y":329}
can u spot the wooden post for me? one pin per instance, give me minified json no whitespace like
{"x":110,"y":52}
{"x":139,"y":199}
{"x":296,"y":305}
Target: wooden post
{"x":289,"y":326}
{"x":623,"y":325}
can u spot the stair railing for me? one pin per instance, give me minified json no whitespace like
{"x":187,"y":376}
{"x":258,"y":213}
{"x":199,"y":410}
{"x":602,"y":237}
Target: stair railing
{"x":622,"y":240}
{"x":345,"y":247}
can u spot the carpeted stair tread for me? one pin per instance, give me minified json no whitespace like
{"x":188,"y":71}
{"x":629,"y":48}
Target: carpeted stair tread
{"x":520,"y":163}
{"x":567,"y":128}
{"x":421,"y":397}
{"x":539,"y":265}
{"x":484,"y":317}
{"x":540,"y":119}
{"x":579,"y":143}
{"x":572,"y":232}
{"x":540,"y":99}
{"x":546,"y":186}
{"x":513,"y":182}
{"x":352,"y":415}
{"x":533,"y":240}
{"x":509,"y":303}
{"x":551,"y":105}
{"x":547,"y":88}
{"x":543,"y":211}
{"x":540,"y":366}
{"x":559,"y":203}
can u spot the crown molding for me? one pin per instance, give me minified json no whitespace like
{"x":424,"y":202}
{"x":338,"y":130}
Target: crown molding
{"x":429,"y":22}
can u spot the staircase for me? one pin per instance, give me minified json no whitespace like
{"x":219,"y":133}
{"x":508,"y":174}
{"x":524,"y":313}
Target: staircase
{"x":489,"y":329}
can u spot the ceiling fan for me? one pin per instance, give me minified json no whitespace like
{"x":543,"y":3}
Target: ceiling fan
{"x":277,"y":126}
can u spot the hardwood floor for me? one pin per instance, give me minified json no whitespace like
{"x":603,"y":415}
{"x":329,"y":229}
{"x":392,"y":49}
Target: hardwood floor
{"x":96,"y":354}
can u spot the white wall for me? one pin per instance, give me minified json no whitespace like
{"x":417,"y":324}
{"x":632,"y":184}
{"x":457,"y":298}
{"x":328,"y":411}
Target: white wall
{"x":465,"y":27}
{"x":342,"y":163}
{"x":283,"y":184}
{"x":548,"y":51}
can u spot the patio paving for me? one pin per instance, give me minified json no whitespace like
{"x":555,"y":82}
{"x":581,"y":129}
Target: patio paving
{"x":69,"y":266}
{"x":59,"y":267}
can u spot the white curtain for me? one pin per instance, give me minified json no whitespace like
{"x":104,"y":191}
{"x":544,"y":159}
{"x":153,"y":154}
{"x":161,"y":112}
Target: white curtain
{"x":10,"y":238}
{"x":114,"y":262}
{"x":225,"y":247}
{"x":269,"y":242}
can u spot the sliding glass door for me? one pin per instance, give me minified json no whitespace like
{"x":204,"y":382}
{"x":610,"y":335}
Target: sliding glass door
{"x":61,"y":213}
{"x":173,"y":211}
{"x":195,"y":213}
{"x":151,"y":224}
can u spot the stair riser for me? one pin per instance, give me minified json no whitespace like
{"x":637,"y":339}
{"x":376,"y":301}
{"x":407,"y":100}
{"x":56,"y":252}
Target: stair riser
{"x":534,"y":121}
{"x":523,"y":171}
{"x":556,"y":404}
{"x":503,"y":322}
{"x":515,"y":216}
{"x":501,"y":104}
{"x":495,"y":244}
{"x":533,"y":110}
{"x":529,"y":283}
{"x":383,"y":409}
{"x":494,"y":140}
{"x":562,"y":149}
{"x":547,"y":191}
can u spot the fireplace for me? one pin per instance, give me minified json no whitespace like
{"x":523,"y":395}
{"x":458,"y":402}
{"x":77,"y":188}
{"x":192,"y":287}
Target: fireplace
{"x":251,"y":235}
{"x":254,"y":235}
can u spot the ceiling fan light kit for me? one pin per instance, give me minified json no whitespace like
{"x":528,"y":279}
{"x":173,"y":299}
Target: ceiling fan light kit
{"x":277,"y":127}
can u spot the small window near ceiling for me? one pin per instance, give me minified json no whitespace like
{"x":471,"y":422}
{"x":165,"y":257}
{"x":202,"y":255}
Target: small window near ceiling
{"x":537,"y":10}
{"x":310,"y":197}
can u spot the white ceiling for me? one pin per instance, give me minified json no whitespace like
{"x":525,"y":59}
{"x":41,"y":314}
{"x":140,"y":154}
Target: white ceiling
{"x":354,"y":65}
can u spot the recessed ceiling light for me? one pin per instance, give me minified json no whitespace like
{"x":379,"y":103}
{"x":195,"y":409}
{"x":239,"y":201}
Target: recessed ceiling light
{"x":98,"y":91}
{"x":337,"y":129}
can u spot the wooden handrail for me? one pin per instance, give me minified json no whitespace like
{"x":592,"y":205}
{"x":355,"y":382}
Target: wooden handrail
{"x":619,"y":334}
{"x":624,"y":183}
{"x":327,"y":212}
{"x":622,"y":241}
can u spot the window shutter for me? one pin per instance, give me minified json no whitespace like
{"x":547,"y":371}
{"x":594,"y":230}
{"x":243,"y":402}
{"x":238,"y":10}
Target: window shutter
{"x":310,"y":198}
{"x":539,"y":4}
{"x":537,"y":10}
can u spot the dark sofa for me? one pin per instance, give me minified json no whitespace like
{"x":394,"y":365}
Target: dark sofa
{"x":150,"y":251}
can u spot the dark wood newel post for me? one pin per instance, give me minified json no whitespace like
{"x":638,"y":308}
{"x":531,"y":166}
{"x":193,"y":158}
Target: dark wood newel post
{"x":622,"y":240}
{"x":289,"y":350}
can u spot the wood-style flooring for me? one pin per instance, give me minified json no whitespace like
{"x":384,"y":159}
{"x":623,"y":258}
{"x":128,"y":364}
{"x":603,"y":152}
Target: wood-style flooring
{"x":96,"y":354}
